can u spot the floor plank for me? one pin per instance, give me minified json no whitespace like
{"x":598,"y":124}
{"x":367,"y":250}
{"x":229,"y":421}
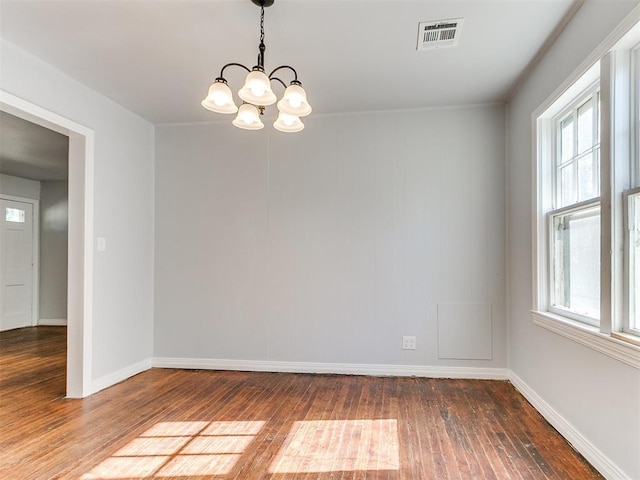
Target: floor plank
{"x":182,"y":424}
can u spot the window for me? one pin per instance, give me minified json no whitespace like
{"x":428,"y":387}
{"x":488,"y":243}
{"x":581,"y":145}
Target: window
{"x":575,"y":258}
{"x":574,"y":224}
{"x":632,"y":204}
{"x":633,"y":325}
{"x":587,"y":220}
{"x":635,"y":74}
{"x":578,"y":155}
{"x":14,"y":215}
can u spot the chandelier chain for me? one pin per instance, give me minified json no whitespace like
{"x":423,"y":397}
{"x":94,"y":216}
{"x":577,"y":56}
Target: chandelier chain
{"x":261,"y":24}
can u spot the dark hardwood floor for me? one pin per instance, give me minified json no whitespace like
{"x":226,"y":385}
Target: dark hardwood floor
{"x":231,"y":425}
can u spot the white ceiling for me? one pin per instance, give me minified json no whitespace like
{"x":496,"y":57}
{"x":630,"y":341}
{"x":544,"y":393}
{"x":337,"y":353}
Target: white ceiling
{"x":157,"y":58}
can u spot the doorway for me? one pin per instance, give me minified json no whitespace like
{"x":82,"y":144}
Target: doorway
{"x":80,"y":231}
{"x":17,"y":263}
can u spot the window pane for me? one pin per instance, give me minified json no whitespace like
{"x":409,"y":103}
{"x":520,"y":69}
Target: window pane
{"x":634,"y":244}
{"x":585,"y":127}
{"x":567,"y":185}
{"x":14,"y":215}
{"x":586,"y":185}
{"x":576,"y":262}
{"x":566,"y":139}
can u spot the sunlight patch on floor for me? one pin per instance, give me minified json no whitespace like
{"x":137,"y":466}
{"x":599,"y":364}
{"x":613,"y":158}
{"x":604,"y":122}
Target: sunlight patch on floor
{"x":180,"y":449}
{"x":339,"y":445}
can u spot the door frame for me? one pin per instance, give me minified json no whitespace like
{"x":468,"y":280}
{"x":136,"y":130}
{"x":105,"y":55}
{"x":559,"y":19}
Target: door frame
{"x":80,"y":246}
{"x":35,"y":247}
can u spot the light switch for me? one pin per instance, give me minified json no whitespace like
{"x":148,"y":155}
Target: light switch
{"x":102,"y":244}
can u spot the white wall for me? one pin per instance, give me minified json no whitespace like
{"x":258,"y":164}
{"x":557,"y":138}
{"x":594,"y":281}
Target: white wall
{"x":54,"y":223}
{"x":329,"y":245}
{"x":123,"y":210}
{"x":597,"y":395}
{"x":19,"y":187}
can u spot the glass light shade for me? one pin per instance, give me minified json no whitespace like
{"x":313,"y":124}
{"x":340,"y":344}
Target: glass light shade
{"x":288,"y":123}
{"x":294,"y":101}
{"x":248,"y":118}
{"x":220,"y":99}
{"x":257,"y":89}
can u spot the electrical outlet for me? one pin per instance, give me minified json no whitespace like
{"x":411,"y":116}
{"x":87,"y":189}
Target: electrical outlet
{"x":408,"y":343}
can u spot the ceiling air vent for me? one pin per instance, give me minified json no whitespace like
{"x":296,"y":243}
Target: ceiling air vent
{"x":439,"y":33}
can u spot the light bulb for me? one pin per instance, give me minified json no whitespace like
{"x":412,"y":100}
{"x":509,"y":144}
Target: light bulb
{"x":248,"y":118}
{"x":257,"y":90}
{"x":294,"y":102}
{"x":288,"y":123}
{"x":219,"y":99}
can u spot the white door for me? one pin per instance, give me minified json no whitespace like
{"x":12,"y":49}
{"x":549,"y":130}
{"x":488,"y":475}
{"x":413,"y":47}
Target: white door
{"x":16,"y":264}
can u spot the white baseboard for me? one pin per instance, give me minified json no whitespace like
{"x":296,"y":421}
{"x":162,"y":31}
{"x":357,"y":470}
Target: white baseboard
{"x":52,"y":322}
{"x":333,"y":368}
{"x":117,"y":377}
{"x":594,"y":456}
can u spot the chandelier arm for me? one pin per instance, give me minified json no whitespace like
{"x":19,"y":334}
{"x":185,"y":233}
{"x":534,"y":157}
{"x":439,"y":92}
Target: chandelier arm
{"x":232,"y":65}
{"x":278,"y":80}
{"x":295,"y":74}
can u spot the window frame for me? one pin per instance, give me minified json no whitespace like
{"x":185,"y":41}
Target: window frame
{"x":630,"y":307}
{"x":553,"y":307}
{"x":617,"y":146}
{"x":590,"y":95}
{"x":635,"y":124}
{"x":548,"y":137}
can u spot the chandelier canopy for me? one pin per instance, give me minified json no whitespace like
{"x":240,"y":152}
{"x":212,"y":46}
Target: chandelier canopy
{"x":256,"y":93}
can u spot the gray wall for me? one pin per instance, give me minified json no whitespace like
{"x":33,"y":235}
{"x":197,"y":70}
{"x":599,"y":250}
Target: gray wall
{"x":19,"y":187}
{"x":122,"y":329}
{"x":54,"y":223}
{"x":329,"y":245}
{"x":596,"y":394}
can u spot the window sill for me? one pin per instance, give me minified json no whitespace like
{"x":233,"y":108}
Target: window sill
{"x":617,"y":348}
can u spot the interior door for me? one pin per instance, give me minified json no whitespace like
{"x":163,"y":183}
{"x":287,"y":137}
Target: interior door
{"x":16,"y":264}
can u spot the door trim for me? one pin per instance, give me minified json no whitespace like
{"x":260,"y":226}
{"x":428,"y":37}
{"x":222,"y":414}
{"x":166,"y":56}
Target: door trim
{"x":35,"y":246}
{"x":80,"y":246}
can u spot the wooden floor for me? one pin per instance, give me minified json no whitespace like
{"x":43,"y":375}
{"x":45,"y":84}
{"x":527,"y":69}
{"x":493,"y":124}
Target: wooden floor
{"x":202,"y":424}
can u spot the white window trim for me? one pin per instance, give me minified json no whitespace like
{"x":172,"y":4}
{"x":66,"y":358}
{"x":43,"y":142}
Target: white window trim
{"x":614,"y":345}
{"x":544,"y":120}
{"x":585,"y":91}
{"x":635,"y":99}
{"x":628,"y":300}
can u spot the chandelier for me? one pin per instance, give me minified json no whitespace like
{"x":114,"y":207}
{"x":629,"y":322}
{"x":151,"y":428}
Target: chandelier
{"x":256,"y":94}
